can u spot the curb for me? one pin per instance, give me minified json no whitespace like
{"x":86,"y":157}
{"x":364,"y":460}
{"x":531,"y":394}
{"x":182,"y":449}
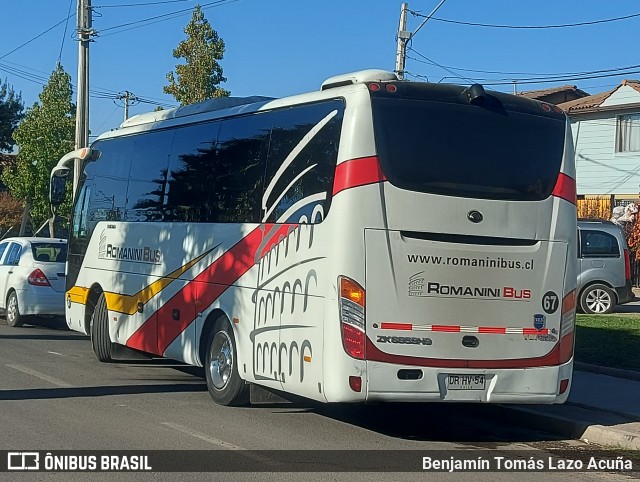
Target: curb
{"x":576,"y":429}
{"x":612,"y":372}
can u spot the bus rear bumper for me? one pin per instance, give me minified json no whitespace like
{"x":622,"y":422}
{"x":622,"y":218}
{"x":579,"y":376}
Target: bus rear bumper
{"x":540,"y":385}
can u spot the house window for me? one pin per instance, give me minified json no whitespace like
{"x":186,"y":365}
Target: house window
{"x":628,"y":133}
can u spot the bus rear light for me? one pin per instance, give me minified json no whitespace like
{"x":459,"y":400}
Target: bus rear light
{"x":352,"y":303}
{"x":355,"y":383}
{"x":353,"y":341}
{"x":567,"y":327}
{"x":391,"y":88}
{"x":352,"y":291}
{"x":38,"y":278}
{"x":565,"y":188}
{"x":373,"y":87}
{"x":564,"y":384}
{"x":627,"y":265}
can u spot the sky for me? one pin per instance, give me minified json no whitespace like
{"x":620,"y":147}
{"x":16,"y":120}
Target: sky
{"x":278,"y":48}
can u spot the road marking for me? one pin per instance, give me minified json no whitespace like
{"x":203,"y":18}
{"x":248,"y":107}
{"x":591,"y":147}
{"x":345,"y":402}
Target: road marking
{"x":41,"y":376}
{"x":221,"y":443}
{"x":55,"y":353}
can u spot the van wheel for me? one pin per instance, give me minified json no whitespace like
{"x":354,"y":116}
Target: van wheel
{"x":221,"y":367}
{"x":597,"y":299}
{"x":99,"y":331}
{"x":14,"y":318}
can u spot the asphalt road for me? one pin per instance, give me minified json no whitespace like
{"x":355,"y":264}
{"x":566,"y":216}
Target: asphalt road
{"x":54,"y":395}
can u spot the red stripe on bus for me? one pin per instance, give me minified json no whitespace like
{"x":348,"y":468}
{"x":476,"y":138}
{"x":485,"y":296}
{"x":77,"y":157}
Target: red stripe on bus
{"x":274,"y":238}
{"x":533,"y":331}
{"x":373,"y":353}
{"x":206,"y":288}
{"x":492,"y":329}
{"x":565,"y":188}
{"x":357,"y":172}
{"x":446,"y":328}
{"x":396,"y":326}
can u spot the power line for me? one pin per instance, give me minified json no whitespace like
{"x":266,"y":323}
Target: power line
{"x":96,"y":93}
{"x":64,"y":35}
{"x":36,"y":37}
{"x":139,"y":4}
{"x":549,"y":74}
{"x":166,"y":16}
{"x":566,"y":25}
{"x":551,"y":78}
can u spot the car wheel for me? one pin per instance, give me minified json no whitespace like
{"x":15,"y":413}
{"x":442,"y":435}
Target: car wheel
{"x":99,"y":331}
{"x":14,"y":318}
{"x":221,"y":367}
{"x":597,"y":299}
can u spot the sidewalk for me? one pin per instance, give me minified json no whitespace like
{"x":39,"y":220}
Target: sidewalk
{"x":602,"y":409}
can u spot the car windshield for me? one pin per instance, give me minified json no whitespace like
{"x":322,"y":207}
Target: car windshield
{"x":49,"y":252}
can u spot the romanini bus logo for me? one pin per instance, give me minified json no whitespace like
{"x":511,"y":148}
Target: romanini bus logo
{"x":143,"y":254}
{"x":418,"y":286}
{"x":472,"y":262}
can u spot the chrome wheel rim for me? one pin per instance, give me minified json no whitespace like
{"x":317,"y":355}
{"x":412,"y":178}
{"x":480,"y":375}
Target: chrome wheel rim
{"x":221,"y":360}
{"x":12,"y":309}
{"x":598,"y":301}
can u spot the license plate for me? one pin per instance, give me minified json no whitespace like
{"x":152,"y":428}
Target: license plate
{"x":465,"y":382}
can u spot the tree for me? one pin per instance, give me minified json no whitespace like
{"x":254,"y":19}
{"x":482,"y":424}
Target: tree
{"x":43,"y":137}
{"x":10,"y":212}
{"x":199,"y":78}
{"x":11,"y":112}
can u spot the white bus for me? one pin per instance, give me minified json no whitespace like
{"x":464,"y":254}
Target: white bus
{"x":376,"y":240}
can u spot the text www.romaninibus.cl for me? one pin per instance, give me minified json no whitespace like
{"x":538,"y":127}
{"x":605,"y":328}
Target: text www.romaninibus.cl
{"x":486,"y":262}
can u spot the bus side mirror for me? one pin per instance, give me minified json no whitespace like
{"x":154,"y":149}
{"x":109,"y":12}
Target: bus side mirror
{"x":58,"y":187}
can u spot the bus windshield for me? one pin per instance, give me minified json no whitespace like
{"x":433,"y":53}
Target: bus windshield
{"x":466,"y":150}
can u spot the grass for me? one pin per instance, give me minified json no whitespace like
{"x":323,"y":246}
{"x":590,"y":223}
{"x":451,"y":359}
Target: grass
{"x":609,"y":340}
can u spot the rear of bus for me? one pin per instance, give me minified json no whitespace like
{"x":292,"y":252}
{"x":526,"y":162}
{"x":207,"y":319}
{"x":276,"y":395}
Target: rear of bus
{"x":470,"y":267}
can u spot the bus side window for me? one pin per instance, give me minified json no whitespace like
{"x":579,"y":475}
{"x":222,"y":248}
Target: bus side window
{"x":237,"y":177}
{"x":301,"y":162}
{"x":79,"y":228}
{"x":148,"y":176}
{"x":108,"y":197}
{"x":187,"y":179}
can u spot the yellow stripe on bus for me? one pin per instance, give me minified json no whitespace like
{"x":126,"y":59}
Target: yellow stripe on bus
{"x":77,"y":294}
{"x":128,"y":304}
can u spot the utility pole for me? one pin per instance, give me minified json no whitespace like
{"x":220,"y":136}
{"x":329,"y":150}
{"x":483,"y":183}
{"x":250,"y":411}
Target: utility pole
{"x":127,"y":98}
{"x":403,"y":37}
{"x":82,"y":101}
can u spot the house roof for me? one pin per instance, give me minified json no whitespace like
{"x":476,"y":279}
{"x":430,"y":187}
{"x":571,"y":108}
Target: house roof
{"x":537,"y":94}
{"x":596,"y":100}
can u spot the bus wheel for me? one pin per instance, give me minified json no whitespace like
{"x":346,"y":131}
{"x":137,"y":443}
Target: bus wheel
{"x":99,"y":331}
{"x":597,"y":299}
{"x":221,"y":367}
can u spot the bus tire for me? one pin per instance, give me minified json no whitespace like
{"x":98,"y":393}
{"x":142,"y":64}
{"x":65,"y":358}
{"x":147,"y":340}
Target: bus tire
{"x":14,"y":318}
{"x":221,"y":367}
{"x":597,"y":299}
{"x":99,"y":331}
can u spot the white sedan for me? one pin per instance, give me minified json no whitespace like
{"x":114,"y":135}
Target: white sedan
{"x":32,"y":277}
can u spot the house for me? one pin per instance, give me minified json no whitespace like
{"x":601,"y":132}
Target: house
{"x":606,"y":136}
{"x":555,"y":95}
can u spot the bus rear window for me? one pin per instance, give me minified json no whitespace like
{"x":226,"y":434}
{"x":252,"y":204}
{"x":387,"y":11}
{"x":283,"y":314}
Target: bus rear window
{"x":467,"y":151}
